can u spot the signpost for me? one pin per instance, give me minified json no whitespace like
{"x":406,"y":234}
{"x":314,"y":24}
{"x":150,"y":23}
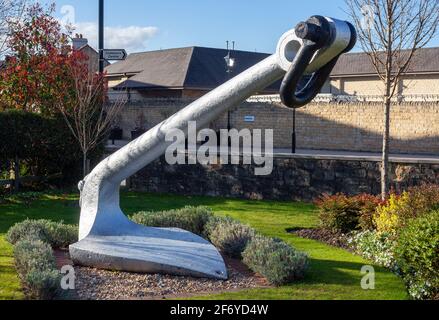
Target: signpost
{"x":115,"y":54}
{"x":105,"y":54}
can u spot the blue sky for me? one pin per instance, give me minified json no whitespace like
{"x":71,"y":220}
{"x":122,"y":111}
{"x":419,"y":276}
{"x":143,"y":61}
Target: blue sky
{"x":150,"y":25}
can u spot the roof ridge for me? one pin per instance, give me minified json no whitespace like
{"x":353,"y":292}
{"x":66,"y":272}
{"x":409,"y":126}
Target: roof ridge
{"x":189,"y":65}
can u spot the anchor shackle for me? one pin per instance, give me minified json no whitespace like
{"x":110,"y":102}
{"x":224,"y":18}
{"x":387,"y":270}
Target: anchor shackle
{"x":323,"y":40}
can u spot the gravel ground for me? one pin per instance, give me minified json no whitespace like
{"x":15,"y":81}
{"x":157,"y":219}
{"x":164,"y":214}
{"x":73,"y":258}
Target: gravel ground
{"x":94,"y":284}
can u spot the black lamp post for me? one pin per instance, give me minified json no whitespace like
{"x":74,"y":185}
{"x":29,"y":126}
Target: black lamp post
{"x":230,"y":64}
{"x":294,"y":138}
{"x":101,"y":36}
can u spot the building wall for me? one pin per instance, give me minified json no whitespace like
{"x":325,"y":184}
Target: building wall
{"x":321,"y":126}
{"x":411,"y":85}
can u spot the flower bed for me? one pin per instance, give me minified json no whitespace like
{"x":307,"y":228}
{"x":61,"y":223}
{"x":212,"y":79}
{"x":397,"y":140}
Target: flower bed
{"x":401,"y":234}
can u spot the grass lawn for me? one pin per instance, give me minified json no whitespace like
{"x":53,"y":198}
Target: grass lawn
{"x":334,"y":273}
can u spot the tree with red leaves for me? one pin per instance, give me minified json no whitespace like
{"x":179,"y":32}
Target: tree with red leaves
{"x":45,"y":75}
{"x":36,"y":75}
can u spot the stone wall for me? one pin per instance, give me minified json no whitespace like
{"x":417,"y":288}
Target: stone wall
{"x":321,"y":126}
{"x":292,"y":178}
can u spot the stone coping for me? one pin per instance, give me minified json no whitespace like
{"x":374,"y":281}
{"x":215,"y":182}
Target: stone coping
{"x":326,"y":155}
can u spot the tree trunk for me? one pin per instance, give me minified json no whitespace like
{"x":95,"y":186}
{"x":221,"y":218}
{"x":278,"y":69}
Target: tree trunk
{"x":385,"y":167}
{"x":84,"y":164}
{"x":16,"y":175}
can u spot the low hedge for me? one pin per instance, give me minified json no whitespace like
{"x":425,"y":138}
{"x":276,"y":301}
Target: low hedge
{"x":37,"y":270}
{"x":274,"y":259}
{"x":56,"y":234}
{"x":278,"y":262}
{"x":229,"y":236}
{"x":33,"y":242}
{"x":193,"y":219}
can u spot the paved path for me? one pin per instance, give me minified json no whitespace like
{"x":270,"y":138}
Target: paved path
{"x":330,"y":155}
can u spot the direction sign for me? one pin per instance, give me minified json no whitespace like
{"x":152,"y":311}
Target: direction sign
{"x":115,"y":54}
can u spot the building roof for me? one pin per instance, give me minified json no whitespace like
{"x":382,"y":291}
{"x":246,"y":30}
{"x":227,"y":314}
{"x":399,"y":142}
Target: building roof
{"x":183,"y":68}
{"x":426,"y":60}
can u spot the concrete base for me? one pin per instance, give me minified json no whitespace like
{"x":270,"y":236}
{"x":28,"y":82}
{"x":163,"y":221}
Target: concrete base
{"x":151,"y":250}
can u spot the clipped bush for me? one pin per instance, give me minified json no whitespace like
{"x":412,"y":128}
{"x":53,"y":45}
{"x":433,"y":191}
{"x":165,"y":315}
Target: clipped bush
{"x":43,"y":285}
{"x":341,"y":213}
{"x":36,"y":268}
{"x":417,"y":254}
{"x":229,"y":236}
{"x":33,"y":255}
{"x":193,"y":219}
{"x":278,"y":262}
{"x":29,"y":229}
{"x":56,"y":234}
{"x":62,"y":235}
{"x":376,"y":247}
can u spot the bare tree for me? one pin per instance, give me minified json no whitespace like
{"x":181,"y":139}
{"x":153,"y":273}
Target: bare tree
{"x":9,"y":10}
{"x":90,"y":116}
{"x":391,"y":32}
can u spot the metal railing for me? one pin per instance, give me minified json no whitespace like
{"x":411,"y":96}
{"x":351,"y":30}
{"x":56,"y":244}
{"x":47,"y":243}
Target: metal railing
{"x":334,"y":98}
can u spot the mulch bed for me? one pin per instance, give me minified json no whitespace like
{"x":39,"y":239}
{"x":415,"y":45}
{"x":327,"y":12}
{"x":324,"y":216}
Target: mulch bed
{"x":94,"y":284}
{"x":329,"y":237}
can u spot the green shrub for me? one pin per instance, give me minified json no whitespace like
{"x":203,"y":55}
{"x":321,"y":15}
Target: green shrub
{"x":62,"y":235}
{"x":36,"y":268}
{"x":229,"y":236}
{"x":43,"y":285}
{"x":33,"y":255}
{"x":43,"y":145}
{"x":417,"y":254}
{"x":278,"y":262}
{"x":411,"y":204}
{"x":56,"y":234}
{"x":29,"y":229}
{"x":341,"y":213}
{"x":374,"y":246}
{"x":193,"y":219}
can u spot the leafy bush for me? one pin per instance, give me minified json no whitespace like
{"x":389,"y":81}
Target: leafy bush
{"x":29,"y":229}
{"x":341,"y":213}
{"x":44,"y":145}
{"x":230,"y":236}
{"x":62,"y":235}
{"x":37,"y":270}
{"x":55,"y":234}
{"x":275,"y":260}
{"x":368,"y":210}
{"x":193,"y":219}
{"x":417,"y":254}
{"x":401,"y":209}
{"x":43,"y":285}
{"x":374,"y":246}
{"x":33,"y":255}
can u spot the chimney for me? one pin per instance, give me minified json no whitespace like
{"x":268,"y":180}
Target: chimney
{"x":79,"y":41}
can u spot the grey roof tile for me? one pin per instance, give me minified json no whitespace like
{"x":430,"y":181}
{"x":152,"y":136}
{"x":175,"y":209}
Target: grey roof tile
{"x":426,"y":60}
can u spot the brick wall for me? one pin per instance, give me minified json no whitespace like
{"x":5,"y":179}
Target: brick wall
{"x":326,"y":126}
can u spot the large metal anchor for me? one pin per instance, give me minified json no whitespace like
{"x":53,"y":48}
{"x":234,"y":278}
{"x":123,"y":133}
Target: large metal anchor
{"x":109,"y":240}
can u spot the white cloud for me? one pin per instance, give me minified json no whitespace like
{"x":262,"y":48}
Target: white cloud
{"x":132,"y":38}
